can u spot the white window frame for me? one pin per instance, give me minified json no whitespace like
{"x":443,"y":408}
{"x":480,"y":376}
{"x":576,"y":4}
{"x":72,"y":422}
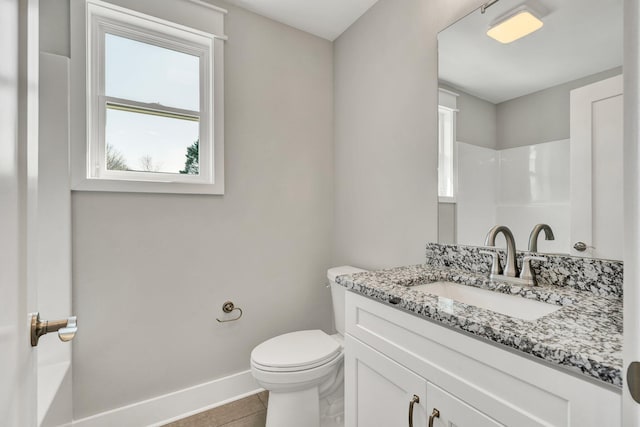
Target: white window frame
{"x":447,"y":107}
{"x":89,"y":154}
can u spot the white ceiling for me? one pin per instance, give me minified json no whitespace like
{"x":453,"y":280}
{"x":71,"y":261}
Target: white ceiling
{"x":324,"y":18}
{"x":579,"y":38}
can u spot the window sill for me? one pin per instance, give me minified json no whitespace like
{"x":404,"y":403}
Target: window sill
{"x":122,"y":186}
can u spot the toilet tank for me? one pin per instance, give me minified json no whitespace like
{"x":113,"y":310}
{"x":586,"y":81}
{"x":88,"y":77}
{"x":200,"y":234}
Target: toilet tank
{"x":338,"y":293}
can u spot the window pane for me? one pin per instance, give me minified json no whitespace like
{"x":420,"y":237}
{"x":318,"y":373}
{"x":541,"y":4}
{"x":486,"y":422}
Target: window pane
{"x":147,"y":73}
{"x":147,"y":143}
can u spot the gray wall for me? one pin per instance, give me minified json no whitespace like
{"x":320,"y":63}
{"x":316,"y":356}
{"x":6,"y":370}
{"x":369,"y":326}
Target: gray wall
{"x":142,"y":258}
{"x":530,"y":119}
{"x":385,"y":134}
{"x":447,"y":223}
{"x":476,"y":122}
{"x":541,"y":116}
{"x":151,"y":271}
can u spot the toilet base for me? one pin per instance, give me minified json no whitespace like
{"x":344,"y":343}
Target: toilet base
{"x":294,"y":409}
{"x":303,"y":408}
{"x":332,"y":409}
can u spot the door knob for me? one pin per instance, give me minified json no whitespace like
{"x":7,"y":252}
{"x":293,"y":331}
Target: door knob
{"x":581,"y":246}
{"x":66,"y":328}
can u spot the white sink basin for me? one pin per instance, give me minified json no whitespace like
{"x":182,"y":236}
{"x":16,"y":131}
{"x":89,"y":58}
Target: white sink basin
{"x":511,"y":305}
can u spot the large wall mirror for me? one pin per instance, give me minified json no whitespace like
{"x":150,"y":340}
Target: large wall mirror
{"x":531,"y":128}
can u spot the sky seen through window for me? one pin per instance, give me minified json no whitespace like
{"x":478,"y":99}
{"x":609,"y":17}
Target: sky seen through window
{"x":151,"y":74}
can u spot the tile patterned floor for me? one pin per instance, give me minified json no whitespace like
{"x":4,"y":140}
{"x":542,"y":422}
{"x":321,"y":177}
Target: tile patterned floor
{"x":248,"y":412}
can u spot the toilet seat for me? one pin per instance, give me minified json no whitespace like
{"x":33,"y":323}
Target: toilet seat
{"x":296,"y":351}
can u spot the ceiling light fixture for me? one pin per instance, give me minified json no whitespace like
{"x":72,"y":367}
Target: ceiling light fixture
{"x":514,"y":25}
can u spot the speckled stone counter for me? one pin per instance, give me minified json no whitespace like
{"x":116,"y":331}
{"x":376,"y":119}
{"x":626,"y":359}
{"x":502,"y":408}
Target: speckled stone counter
{"x":585,"y":335}
{"x":599,"y":276}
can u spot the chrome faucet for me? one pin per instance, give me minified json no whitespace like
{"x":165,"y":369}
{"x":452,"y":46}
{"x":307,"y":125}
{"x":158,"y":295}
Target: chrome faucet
{"x":533,"y":237}
{"x":511,"y":269}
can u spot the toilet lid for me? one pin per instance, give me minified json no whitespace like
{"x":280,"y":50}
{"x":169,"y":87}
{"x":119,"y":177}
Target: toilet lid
{"x":296,"y":350}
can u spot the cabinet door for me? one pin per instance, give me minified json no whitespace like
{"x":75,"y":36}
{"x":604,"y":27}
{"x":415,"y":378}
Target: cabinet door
{"x":378,"y":391}
{"x":453,"y":412}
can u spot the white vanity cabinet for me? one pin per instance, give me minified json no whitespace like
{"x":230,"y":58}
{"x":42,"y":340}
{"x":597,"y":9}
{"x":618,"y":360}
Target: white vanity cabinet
{"x":382,"y":388}
{"x":392,"y":355}
{"x":450,"y":411}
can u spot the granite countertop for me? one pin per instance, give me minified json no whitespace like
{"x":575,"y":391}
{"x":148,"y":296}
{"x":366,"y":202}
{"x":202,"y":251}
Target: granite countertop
{"x":585,"y":335}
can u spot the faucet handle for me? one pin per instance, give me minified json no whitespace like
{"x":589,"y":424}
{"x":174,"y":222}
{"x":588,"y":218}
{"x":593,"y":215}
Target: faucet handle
{"x":496,"y":267}
{"x":527,"y":273}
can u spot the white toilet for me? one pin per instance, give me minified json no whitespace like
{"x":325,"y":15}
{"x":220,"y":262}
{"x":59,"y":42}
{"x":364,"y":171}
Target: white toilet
{"x":303,"y":370}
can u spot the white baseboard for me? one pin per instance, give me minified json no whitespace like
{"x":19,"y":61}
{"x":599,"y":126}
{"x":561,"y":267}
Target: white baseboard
{"x":174,"y":406}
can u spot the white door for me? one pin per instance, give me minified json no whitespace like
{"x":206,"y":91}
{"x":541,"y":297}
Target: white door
{"x":631,"y":314}
{"x":53,"y":262}
{"x":34,"y":226}
{"x":596,"y":126}
{"x":18,"y":140}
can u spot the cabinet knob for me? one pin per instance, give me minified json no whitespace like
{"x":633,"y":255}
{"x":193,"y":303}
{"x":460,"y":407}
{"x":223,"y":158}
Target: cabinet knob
{"x":412,"y":402}
{"x":435,"y":414}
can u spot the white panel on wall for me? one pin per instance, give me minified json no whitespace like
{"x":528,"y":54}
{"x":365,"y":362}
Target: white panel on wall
{"x":534,"y":188}
{"x":518,"y":187}
{"x":536,"y":173}
{"x":521,"y":219}
{"x":477,"y":192}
